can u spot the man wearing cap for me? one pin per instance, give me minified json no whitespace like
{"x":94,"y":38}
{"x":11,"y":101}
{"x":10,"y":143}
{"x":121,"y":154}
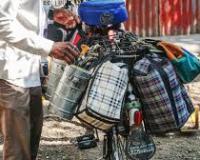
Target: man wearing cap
{"x":21,"y":47}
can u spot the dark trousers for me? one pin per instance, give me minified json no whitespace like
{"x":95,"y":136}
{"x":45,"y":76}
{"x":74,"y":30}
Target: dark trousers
{"x":21,"y":119}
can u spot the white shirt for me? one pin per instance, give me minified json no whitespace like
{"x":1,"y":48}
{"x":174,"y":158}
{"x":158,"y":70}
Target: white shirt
{"x":21,"y":44}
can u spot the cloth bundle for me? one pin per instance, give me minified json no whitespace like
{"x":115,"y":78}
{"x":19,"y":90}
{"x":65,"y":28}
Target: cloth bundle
{"x":166,"y":105}
{"x":103,"y":101}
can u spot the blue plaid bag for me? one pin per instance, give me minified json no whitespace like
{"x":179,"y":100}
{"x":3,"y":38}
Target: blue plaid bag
{"x":103,"y":101}
{"x":166,"y":105}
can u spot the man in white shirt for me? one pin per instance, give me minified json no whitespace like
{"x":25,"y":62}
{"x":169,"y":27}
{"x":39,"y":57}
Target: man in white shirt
{"x":21,"y":48}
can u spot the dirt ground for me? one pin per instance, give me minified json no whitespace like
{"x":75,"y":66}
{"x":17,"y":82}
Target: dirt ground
{"x":57,"y":137}
{"x":56,"y":140}
{"x":57,"y":144}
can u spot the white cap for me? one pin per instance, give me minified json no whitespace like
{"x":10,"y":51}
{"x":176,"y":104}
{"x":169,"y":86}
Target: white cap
{"x":57,"y":4}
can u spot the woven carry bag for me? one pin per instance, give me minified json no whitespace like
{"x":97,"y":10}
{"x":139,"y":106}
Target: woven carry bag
{"x":166,"y":105}
{"x":187,"y":65}
{"x":103,"y":101}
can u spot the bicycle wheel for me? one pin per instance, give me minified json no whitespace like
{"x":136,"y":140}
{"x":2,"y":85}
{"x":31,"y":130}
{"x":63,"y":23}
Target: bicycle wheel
{"x":114,"y":146}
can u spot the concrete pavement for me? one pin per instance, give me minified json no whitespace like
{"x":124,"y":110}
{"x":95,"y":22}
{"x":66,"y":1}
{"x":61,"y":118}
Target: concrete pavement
{"x":189,"y":42}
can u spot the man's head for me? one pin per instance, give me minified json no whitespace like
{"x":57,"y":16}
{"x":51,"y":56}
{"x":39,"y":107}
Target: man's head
{"x":64,"y":12}
{"x":66,"y":18}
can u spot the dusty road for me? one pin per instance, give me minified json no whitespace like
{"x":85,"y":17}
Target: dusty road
{"x":57,"y":135}
{"x":56,"y":145}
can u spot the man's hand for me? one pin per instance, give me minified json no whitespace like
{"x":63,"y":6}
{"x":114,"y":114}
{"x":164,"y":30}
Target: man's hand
{"x":65,"y":51}
{"x":66,"y":18}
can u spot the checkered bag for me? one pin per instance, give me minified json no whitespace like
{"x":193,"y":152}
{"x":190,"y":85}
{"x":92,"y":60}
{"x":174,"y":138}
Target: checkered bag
{"x":166,"y":105}
{"x":102,"y":104}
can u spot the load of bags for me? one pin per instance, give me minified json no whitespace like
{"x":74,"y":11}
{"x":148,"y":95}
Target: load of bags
{"x":128,"y":87}
{"x":121,"y":84}
{"x":95,"y":88}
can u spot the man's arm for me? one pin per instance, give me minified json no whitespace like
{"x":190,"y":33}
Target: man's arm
{"x":12,"y":32}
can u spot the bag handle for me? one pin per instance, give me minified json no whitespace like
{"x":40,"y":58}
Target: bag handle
{"x":172,"y":51}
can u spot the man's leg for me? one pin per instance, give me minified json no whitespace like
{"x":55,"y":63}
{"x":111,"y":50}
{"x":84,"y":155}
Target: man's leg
{"x":16,"y":133}
{"x":36,"y":119}
{"x":21,"y":118}
{"x":15,"y":122}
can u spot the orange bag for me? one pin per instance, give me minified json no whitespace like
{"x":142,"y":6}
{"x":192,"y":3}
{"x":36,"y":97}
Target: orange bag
{"x":172,"y":51}
{"x":186,"y":64}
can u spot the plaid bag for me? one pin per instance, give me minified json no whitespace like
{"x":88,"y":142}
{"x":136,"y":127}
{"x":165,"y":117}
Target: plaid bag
{"x":166,"y":105}
{"x":102,"y":104}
